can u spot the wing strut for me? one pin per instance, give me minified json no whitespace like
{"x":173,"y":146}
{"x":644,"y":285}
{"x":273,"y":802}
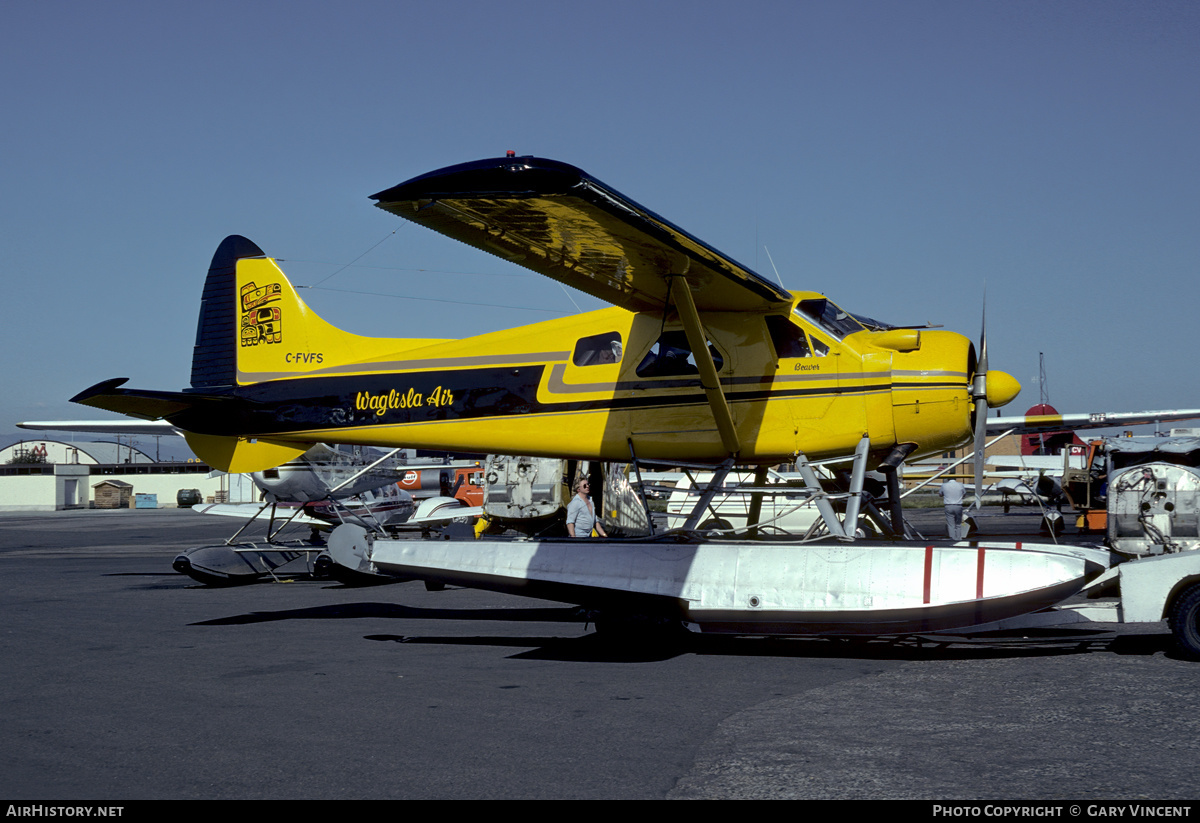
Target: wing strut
{"x":714,"y":485}
{"x":641,"y":486}
{"x":681,"y":294}
{"x":246,"y":525}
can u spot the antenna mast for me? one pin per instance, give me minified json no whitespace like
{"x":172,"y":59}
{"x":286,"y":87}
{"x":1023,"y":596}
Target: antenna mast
{"x":1044,"y":395}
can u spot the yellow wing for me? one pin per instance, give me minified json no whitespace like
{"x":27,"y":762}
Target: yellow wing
{"x":559,"y":221}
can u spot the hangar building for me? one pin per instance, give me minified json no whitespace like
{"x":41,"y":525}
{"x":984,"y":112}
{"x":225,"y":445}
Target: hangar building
{"x":49,"y":475}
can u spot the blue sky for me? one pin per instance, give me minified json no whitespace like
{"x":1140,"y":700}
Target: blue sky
{"x":896,"y":156}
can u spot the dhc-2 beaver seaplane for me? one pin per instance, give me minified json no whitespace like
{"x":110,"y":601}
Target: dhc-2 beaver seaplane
{"x":699,"y":360}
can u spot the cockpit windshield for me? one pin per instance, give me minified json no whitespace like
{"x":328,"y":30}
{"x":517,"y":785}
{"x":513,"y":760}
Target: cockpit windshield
{"x":871,"y":323}
{"x":829,"y":317}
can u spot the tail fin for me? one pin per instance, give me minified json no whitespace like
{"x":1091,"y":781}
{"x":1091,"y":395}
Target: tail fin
{"x":253,"y":327}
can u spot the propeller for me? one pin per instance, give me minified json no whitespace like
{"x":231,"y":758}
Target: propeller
{"x":994,"y":389}
{"x":979,"y":394}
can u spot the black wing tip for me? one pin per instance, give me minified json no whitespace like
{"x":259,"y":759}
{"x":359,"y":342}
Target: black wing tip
{"x":505,"y":174}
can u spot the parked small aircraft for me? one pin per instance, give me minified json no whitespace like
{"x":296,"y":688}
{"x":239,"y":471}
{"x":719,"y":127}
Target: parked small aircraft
{"x":699,"y":360}
{"x":314,"y":488}
{"x":1049,"y":442}
{"x":324,"y":487}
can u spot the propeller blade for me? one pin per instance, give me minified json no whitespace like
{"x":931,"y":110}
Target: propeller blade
{"x":983,"y":359}
{"x":981,"y":410}
{"x":979,"y":390}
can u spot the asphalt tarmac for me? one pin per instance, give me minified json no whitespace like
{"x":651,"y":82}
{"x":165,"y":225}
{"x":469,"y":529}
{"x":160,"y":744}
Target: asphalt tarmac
{"x":122,"y":680}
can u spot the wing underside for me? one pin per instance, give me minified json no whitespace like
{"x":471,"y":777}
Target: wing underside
{"x":557,"y":220}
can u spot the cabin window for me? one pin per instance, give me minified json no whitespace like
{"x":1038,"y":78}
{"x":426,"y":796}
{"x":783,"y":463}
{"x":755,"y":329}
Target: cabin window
{"x":788,"y":339}
{"x":598,"y":349}
{"x":829,"y":317}
{"x":671,"y":355}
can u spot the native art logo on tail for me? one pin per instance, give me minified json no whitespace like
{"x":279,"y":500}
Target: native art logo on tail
{"x":261,"y":323}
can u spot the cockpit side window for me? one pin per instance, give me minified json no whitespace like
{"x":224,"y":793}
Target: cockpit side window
{"x":598,"y":349}
{"x":788,"y":339}
{"x":671,"y":355}
{"x":829,"y":317}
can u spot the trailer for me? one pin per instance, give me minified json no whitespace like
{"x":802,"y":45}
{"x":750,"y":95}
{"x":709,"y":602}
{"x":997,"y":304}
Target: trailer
{"x":1144,"y":590}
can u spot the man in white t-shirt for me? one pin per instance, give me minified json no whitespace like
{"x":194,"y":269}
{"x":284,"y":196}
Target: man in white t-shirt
{"x":581,"y":515}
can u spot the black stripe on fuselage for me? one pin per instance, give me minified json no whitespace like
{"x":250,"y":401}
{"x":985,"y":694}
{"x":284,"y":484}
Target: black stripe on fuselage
{"x":315,"y":404}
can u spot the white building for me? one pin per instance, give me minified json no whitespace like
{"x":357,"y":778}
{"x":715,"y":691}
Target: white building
{"x":49,"y":475}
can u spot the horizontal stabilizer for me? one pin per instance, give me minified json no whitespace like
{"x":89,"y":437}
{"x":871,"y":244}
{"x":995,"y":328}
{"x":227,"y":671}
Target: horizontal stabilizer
{"x":191,"y":411}
{"x":143,"y":403}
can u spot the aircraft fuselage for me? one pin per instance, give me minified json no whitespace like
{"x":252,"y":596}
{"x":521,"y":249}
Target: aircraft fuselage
{"x":587,"y":385}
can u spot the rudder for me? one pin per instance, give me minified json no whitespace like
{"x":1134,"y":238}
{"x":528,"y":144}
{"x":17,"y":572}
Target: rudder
{"x":214,"y":356}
